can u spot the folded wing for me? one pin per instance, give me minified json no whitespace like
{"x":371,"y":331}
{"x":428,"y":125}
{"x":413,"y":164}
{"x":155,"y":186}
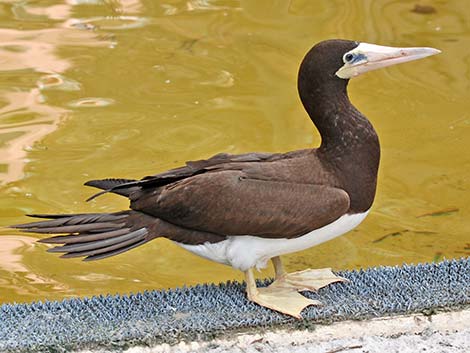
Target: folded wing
{"x":229,"y":203}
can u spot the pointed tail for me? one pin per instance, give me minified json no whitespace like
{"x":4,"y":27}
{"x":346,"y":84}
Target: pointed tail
{"x":93,"y":236}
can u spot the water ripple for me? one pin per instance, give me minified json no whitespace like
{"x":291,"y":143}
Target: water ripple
{"x":91,"y":102}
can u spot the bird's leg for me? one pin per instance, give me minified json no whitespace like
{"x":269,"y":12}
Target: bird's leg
{"x":283,"y":299}
{"x":303,"y":280}
{"x":279,"y":271}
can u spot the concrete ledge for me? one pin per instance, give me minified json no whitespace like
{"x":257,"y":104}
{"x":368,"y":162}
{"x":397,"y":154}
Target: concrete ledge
{"x":442,"y":332}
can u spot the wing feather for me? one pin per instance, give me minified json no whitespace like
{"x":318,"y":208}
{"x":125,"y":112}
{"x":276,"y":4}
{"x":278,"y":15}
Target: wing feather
{"x":229,"y":203}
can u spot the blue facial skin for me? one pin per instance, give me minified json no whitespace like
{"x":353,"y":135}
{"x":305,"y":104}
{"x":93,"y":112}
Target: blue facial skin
{"x":359,"y":57}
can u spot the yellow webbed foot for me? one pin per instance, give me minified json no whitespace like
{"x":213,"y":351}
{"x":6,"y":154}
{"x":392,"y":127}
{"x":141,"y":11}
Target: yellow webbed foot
{"x":280,"y":298}
{"x":285,"y":300}
{"x":307,"y":279}
{"x":283,"y":294}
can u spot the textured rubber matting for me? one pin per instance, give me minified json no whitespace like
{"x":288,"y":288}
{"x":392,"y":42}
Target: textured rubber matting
{"x":204,"y":311}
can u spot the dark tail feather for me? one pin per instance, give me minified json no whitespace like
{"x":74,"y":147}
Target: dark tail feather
{"x":84,"y":238}
{"x":93,"y":236}
{"x":116,"y":186}
{"x":127,"y":242}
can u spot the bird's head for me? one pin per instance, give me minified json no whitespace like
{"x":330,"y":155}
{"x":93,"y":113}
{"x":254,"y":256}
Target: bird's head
{"x":367,"y":57}
{"x":330,"y":64}
{"x":324,"y":75}
{"x":345,"y":59}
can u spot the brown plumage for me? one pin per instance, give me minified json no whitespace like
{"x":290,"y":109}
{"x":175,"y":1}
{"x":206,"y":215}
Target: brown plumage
{"x":280,"y":195}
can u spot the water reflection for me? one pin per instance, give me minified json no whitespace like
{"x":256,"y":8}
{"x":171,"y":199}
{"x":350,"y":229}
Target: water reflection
{"x":58,"y":82}
{"x":25,"y":114}
{"x":10,"y":245}
{"x":16,"y":276}
{"x":24,"y":120}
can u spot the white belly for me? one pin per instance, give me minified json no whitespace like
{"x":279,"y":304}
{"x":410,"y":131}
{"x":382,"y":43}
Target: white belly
{"x":245,"y":251}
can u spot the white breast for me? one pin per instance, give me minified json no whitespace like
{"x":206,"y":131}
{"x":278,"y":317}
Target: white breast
{"x":245,"y":251}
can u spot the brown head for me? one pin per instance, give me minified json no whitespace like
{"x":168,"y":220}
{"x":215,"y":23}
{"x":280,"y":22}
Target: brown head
{"x":349,"y":142}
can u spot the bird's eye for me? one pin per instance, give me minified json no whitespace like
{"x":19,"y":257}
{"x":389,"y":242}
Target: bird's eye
{"x":348,"y":58}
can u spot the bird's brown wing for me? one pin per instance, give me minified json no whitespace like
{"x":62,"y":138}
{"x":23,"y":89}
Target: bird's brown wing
{"x":127,"y":187}
{"x":229,"y":203}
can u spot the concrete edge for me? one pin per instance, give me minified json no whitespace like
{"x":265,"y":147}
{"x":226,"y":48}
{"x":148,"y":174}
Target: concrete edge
{"x":343,"y":333}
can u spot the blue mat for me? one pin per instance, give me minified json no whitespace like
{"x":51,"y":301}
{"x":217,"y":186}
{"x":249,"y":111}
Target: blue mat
{"x":205,"y":311}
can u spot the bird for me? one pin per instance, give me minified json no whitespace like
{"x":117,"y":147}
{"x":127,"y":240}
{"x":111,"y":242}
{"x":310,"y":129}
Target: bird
{"x":244,"y":210}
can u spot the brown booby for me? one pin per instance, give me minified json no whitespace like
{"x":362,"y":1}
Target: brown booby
{"x":243,"y":210}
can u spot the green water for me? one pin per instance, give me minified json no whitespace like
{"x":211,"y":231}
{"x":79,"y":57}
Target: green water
{"x":127,"y":88}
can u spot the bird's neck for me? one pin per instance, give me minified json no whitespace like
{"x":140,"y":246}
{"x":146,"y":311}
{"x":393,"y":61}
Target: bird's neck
{"x":340,"y":124}
{"x":349,"y":142}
